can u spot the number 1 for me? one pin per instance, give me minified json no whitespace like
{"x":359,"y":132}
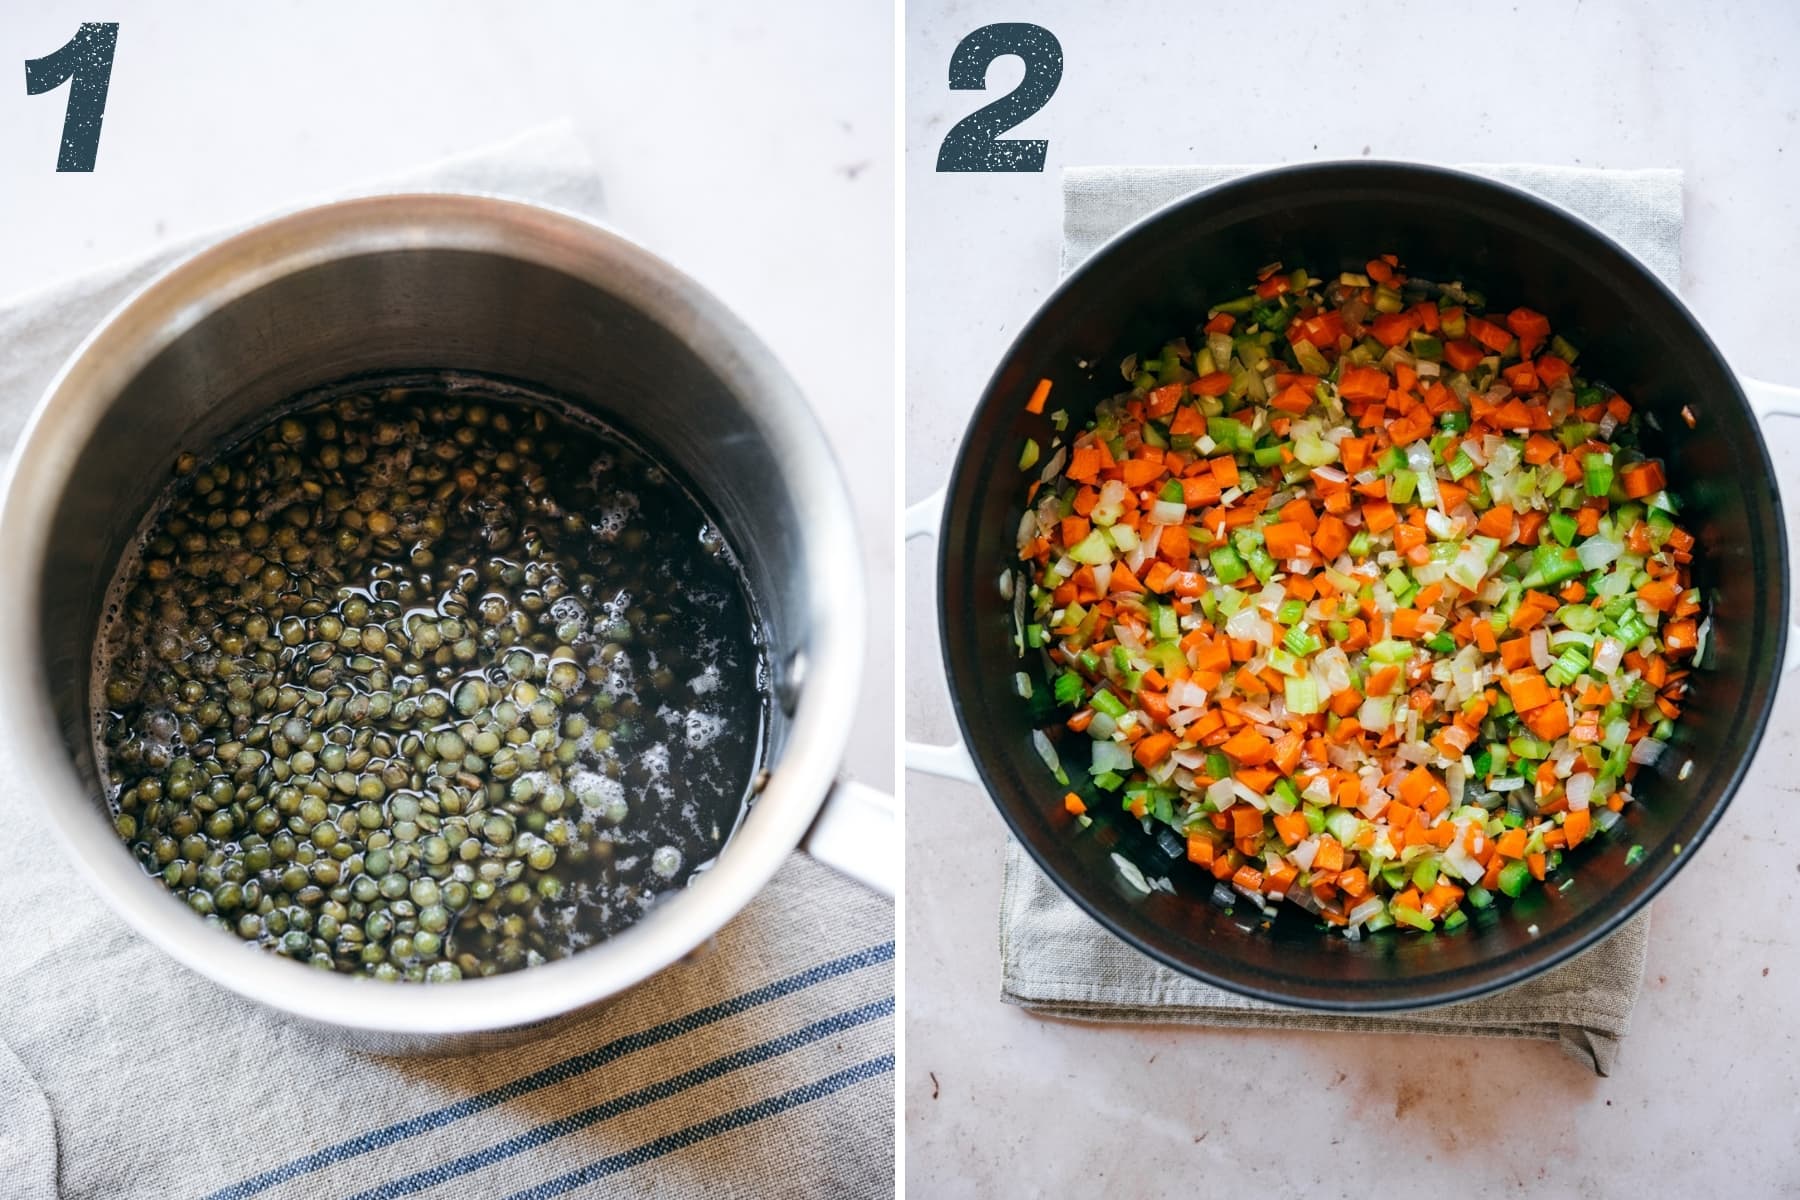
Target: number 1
{"x":86,"y":59}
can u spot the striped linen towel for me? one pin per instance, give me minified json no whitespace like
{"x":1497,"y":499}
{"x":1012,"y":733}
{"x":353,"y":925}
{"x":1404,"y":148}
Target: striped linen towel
{"x":763,"y":1067}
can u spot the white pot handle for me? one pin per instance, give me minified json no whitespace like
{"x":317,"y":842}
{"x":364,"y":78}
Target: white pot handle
{"x":856,"y":834}
{"x":1776,"y":400}
{"x":952,"y":761}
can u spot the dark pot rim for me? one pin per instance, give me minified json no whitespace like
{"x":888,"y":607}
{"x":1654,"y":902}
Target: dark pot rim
{"x":1531,"y":958}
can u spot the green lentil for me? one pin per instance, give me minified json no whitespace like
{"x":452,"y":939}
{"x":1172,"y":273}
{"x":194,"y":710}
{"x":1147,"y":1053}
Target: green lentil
{"x":374,"y":668}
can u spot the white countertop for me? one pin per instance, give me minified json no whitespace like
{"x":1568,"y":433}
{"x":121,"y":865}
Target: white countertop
{"x":999,"y":1103}
{"x":730,"y":142}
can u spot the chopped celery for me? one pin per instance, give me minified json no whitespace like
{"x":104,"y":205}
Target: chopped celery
{"x":1410,"y":916}
{"x":1529,"y":747}
{"x":1104,"y":701}
{"x":1302,"y":696}
{"x":1514,"y":877}
{"x":1302,"y":642}
{"x":1260,"y":564}
{"x":1093,"y":550}
{"x":1231,"y":434}
{"x":1427,"y":347}
{"x":1597,"y":473}
{"x":1227,"y":564}
{"x":1391,"y":652}
{"x":1551,"y":565}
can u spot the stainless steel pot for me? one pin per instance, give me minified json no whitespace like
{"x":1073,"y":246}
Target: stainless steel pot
{"x":459,"y":283}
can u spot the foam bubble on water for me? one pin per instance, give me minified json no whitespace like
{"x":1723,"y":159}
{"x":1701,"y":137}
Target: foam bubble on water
{"x":594,"y":790}
{"x":703,"y":728}
{"x":654,"y":759}
{"x":619,"y":508}
{"x":706,"y":681}
{"x":620,"y":680}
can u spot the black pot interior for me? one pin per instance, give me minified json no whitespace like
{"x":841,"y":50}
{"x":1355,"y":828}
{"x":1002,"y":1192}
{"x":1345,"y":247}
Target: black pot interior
{"x":1154,"y":283}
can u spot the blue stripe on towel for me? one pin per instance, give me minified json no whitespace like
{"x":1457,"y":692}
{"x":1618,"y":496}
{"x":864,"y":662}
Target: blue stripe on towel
{"x":550,"y":1131}
{"x":567,"y":1069}
{"x":724,"y":1123}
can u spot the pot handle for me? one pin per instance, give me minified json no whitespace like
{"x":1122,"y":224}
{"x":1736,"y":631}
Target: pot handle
{"x":856,"y":834}
{"x":1775,"y":400}
{"x":951,"y":761}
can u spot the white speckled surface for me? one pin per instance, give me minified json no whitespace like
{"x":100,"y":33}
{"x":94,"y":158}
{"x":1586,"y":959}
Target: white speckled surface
{"x":1703,"y":1100}
{"x":752,"y":148}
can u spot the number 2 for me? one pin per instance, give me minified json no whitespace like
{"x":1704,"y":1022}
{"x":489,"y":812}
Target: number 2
{"x":974,"y":143}
{"x":86,"y":59}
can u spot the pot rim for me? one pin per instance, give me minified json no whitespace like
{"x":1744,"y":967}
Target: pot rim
{"x":1428,"y":990}
{"x":202,"y":282}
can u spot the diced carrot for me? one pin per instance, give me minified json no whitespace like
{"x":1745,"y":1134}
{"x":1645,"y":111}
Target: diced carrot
{"x":1074,"y":804}
{"x":1084,"y":464}
{"x":1216,"y":383}
{"x":1462,"y":354}
{"x":1199,"y":491}
{"x":1123,"y":580}
{"x":1659,"y":594}
{"x":1285,"y":540}
{"x":1552,"y":370}
{"x":1153,"y":748}
{"x":1245,"y":821}
{"x":1681,"y":636}
{"x":1576,"y":824}
{"x":1363,"y":383}
{"x":1642,"y":479}
{"x":1257,"y":779}
{"x":1039,"y":394}
{"x":1293,"y":398}
{"x":1189,"y":422}
{"x":1292,"y":827}
{"x":1142,"y":471}
{"x":1390,"y":329}
{"x":1332,"y":537}
{"x":1549,"y":722}
{"x":1489,"y":334}
{"x":1528,"y":689}
{"x":1249,"y":747}
{"x":1330,"y":855}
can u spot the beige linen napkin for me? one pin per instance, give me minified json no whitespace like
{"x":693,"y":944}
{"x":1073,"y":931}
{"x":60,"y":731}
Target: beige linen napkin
{"x":762,"y":1067}
{"x":1057,"y":961}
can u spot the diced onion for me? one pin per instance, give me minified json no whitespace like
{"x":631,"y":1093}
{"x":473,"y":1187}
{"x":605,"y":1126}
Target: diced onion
{"x":1646,"y":751}
{"x":1597,"y":551}
{"x":1580,"y":790}
{"x":1608,"y":654}
{"x":1540,"y":649}
{"x":1168,"y":512}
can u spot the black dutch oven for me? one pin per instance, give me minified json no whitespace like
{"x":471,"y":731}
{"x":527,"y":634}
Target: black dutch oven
{"x":1154,"y":281}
